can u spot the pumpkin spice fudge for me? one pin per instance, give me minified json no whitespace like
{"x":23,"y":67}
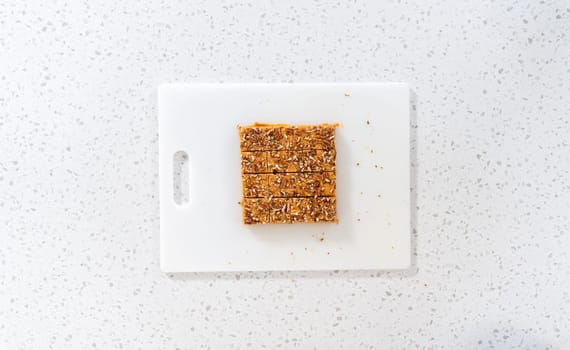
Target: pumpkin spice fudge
{"x":288,"y":173}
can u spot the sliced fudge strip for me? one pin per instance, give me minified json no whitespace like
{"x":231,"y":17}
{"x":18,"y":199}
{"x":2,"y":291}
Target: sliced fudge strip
{"x":271,"y":137}
{"x":289,"y":210}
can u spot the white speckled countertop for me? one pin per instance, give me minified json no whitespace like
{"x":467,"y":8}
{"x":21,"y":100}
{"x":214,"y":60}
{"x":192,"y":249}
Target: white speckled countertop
{"x":78,"y":174}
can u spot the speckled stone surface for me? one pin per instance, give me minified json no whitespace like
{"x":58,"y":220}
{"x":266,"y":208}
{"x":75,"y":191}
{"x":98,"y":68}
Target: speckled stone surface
{"x":78,"y":174}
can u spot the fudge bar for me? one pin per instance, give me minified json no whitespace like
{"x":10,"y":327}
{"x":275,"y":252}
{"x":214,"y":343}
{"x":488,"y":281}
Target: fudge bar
{"x":288,"y":173}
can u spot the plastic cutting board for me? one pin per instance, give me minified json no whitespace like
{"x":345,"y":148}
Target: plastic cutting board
{"x":373,"y":177}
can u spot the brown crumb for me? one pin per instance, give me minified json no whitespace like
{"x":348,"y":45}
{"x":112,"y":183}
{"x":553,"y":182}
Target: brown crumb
{"x":425,"y":285}
{"x":346,"y":94}
{"x":357,"y":163}
{"x":321,"y":239}
{"x":239,"y":202}
{"x":368,"y":122}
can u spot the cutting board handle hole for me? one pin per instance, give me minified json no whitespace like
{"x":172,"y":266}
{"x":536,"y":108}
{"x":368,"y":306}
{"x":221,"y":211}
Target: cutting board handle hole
{"x":181,"y":177}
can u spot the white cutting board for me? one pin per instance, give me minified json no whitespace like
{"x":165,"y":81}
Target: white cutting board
{"x":373,"y":177}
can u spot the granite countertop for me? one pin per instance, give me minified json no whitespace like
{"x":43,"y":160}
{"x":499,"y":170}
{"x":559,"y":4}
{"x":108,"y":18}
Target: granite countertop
{"x":78,"y":174}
